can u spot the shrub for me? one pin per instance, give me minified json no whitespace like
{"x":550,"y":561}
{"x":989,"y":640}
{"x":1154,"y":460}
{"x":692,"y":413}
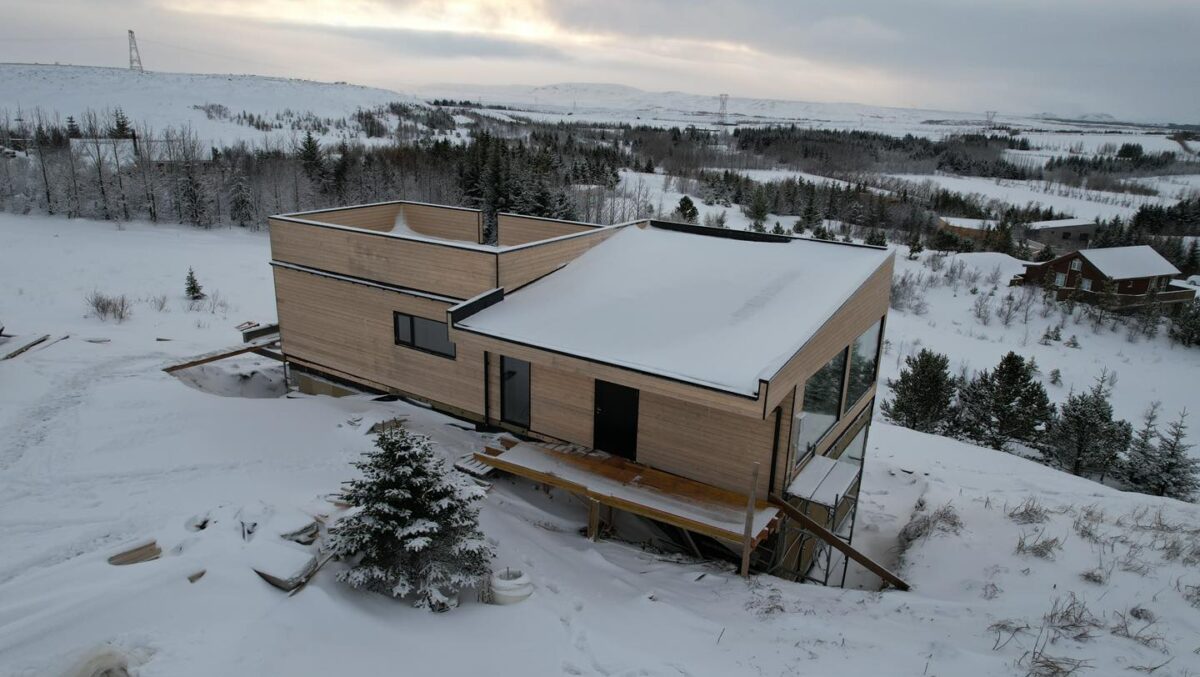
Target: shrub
{"x":104,"y":306}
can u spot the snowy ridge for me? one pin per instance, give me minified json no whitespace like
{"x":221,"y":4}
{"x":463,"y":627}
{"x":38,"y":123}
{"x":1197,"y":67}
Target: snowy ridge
{"x":168,"y":99}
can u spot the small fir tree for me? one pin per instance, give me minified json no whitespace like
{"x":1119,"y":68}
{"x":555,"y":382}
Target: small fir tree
{"x":1179,"y":471}
{"x":1055,"y":377}
{"x":416,"y":529}
{"x":192,"y":289}
{"x":686,"y":210}
{"x":923,"y":393}
{"x":1085,"y":438}
{"x":876,"y":237}
{"x":1141,"y":468}
{"x":1004,"y":405}
{"x":1045,"y":254}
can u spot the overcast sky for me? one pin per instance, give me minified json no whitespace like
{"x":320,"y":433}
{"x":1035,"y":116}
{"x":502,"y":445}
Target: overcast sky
{"x":1135,"y":59}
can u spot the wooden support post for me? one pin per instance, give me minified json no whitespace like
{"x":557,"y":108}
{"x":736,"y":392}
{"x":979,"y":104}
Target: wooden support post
{"x":593,"y":528}
{"x":748,"y":534}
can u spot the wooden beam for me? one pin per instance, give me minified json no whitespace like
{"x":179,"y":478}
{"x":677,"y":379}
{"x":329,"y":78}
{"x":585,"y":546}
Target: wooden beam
{"x":593,"y":528}
{"x":25,"y":347}
{"x":251,"y":347}
{"x":832,"y":539}
{"x":748,"y":533}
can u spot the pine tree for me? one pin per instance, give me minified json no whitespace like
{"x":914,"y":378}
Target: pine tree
{"x":192,"y":289}
{"x":73,"y":131}
{"x":758,"y":208}
{"x":1185,"y":325}
{"x":1004,"y":405}
{"x":1141,"y":468}
{"x":1179,"y":471}
{"x":1085,"y":438}
{"x":1045,"y":254}
{"x":416,"y":532}
{"x":241,"y":203}
{"x":120,"y":128}
{"x":312,"y":159}
{"x":923,"y":393}
{"x":687,"y":210}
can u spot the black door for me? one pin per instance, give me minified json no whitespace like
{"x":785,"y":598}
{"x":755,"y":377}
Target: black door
{"x":514,"y":391}
{"x":616,"y":419}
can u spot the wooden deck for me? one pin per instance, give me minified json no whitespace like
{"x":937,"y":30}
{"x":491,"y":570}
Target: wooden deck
{"x":618,"y":483}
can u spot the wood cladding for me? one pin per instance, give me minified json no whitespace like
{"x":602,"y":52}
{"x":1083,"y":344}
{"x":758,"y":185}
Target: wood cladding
{"x":348,"y":327}
{"x":514,"y":230}
{"x":445,"y":222}
{"x":716,"y":399}
{"x":379,"y":217}
{"x":450,"y":271}
{"x":524,"y":265}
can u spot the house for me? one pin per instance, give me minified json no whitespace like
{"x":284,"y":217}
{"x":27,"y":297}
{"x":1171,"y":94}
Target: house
{"x":720,"y":382}
{"x":975,"y":230}
{"x":1062,"y":235}
{"x":1136,"y":275}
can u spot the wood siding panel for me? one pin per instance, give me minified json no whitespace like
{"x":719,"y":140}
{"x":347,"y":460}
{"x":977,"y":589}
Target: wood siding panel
{"x":715,"y":399}
{"x":515,"y":230}
{"x":378,"y":217}
{"x":348,"y":327}
{"x":529,"y":263}
{"x":704,"y":444}
{"x":446,"y":222}
{"x":562,"y":404}
{"x":459,"y":273}
{"x":866,"y":307}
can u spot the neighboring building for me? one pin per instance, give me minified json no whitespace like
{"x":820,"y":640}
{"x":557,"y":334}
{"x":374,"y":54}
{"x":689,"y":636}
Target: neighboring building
{"x":972,"y":229}
{"x":1062,"y":235}
{"x":1138,"y":275}
{"x":695,"y":358}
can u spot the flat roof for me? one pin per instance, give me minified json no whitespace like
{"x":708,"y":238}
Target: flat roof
{"x":1122,"y":263}
{"x":972,"y":224}
{"x":1060,"y":223}
{"x":715,"y":311}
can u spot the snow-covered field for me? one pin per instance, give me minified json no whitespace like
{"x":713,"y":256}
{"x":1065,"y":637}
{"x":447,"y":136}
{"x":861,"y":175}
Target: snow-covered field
{"x":170,"y":99}
{"x":99,"y":448}
{"x":1079,"y":202}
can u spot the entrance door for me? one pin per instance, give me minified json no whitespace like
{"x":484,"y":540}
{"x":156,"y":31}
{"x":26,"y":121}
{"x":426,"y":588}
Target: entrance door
{"x":514,"y":391}
{"x":616,"y":420}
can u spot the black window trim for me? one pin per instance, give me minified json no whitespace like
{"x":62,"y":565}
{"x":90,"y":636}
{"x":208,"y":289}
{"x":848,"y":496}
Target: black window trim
{"x":848,"y":405}
{"x":805,"y":454}
{"x":412,"y":332}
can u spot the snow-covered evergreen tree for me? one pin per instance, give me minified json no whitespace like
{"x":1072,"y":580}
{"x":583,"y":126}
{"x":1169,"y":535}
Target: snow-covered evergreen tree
{"x":416,"y":529}
{"x":1085,"y":438}
{"x":1160,"y":463}
{"x":1004,"y":405}
{"x":923,"y":393}
{"x":1140,"y":468}
{"x":192,"y":289}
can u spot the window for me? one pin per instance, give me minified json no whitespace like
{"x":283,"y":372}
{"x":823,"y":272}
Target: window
{"x":822,"y":405}
{"x":423,"y":334}
{"x":514,"y":391}
{"x":1060,"y":279}
{"x":854,"y":453}
{"x":1085,"y":284}
{"x":1076,"y":264}
{"x":1083,"y":237}
{"x":1066,"y":235}
{"x":864,"y":355}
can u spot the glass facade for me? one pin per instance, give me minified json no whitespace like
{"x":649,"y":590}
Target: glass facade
{"x":822,"y":404}
{"x":864,"y":356}
{"x":424,"y":334}
{"x":514,"y":391}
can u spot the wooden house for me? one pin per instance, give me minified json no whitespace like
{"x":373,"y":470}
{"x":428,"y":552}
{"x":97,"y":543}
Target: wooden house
{"x":975,"y":230}
{"x":720,"y":382}
{"x":1062,"y":235}
{"x":1134,"y":276}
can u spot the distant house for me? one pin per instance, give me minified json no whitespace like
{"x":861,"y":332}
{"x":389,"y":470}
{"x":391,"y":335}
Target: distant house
{"x":972,"y":229}
{"x":1137,"y":275}
{"x":1062,"y":234}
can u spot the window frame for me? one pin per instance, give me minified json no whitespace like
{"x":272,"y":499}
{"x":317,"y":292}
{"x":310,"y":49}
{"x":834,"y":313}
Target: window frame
{"x":1076,"y":264}
{"x":1085,"y":284}
{"x":1060,"y":279}
{"x":847,"y":403}
{"x":412,"y":343}
{"x":804,"y":454}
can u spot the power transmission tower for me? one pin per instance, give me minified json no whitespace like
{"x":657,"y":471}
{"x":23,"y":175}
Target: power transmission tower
{"x":723,"y":115}
{"x":135,"y":57}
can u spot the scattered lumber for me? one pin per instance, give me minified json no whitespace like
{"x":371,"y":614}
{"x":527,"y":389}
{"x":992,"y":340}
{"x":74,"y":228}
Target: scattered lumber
{"x":284,"y":566}
{"x":192,"y":578}
{"x":25,"y":347}
{"x":163,"y":339}
{"x":143,"y":551}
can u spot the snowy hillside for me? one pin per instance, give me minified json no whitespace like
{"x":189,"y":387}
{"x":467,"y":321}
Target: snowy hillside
{"x":171,"y":99}
{"x":101,"y":449}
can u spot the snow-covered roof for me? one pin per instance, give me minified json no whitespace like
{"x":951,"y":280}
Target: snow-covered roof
{"x":1122,"y":263}
{"x":709,"y":310}
{"x":972,"y":224}
{"x":1059,"y":223}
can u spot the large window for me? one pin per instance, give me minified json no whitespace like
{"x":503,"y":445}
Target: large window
{"x":822,"y":405}
{"x":864,"y":355}
{"x":514,"y":391}
{"x":423,"y":334}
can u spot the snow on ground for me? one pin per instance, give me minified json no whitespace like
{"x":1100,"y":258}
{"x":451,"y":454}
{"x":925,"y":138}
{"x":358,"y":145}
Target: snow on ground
{"x":101,"y":448}
{"x":1078,"y":202}
{"x":169,"y":99}
{"x":1178,"y":186}
{"x":1150,"y":369}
